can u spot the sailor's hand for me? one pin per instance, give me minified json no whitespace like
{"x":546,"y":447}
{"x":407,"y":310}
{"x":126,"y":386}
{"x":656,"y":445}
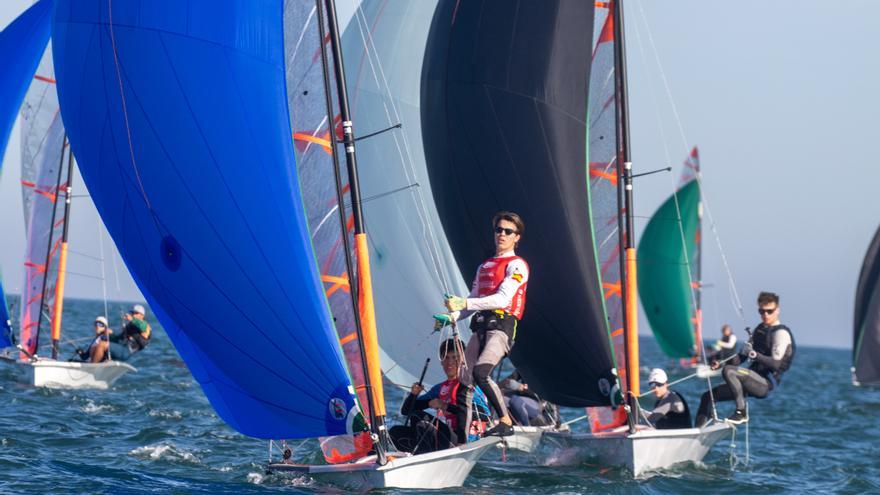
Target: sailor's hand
{"x":437,"y":404}
{"x":747,"y":349}
{"x":416,"y":389}
{"x":443,"y":319}
{"x":455,"y":303}
{"x":715,"y":364}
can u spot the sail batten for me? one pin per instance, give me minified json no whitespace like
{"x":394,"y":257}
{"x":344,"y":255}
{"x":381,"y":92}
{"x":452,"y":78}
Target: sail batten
{"x":178,"y":115}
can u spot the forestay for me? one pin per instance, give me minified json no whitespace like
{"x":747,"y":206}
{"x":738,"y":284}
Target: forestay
{"x":412,"y":263}
{"x":177,"y":112}
{"x":504,"y":118}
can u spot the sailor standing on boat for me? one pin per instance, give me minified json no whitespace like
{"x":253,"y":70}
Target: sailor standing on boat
{"x":771,"y":350}
{"x":497,"y":296}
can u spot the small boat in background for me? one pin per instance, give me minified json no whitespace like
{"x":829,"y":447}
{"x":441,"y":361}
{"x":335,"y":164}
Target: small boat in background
{"x":866,"y":321}
{"x":47,"y":171}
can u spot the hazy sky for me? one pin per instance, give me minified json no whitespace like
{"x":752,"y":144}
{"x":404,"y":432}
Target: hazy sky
{"x":781,"y":99}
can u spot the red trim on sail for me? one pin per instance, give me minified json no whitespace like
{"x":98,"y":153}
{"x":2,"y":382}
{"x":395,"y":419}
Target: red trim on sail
{"x":44,"y":79}
{"x":323,"y":142}
{"x":611,"y":289}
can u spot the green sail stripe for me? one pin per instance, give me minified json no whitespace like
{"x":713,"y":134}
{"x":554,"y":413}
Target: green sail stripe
{"x":664,"y":281}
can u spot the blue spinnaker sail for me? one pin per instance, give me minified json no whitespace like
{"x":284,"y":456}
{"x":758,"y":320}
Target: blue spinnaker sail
{"x":21,"y":45}
{"x":177,"y":113}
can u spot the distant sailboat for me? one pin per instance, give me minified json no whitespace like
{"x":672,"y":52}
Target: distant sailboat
{"x":866,"y":321}
{"x":530,"y":109}
{"x":185,"y":125}
{"x":47,"y":170}
{"x":669,"y":266}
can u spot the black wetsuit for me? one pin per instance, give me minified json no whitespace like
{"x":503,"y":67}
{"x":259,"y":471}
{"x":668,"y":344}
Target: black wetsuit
{"x":671,"y":411}
{"x":760,"y":378}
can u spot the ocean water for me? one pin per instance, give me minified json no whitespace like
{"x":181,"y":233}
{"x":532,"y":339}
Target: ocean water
{"x":154,"y":431}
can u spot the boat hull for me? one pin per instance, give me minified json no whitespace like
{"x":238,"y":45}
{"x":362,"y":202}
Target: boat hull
{"x":443,"y":469}
{"x":527,"y":438}
{"x":49,"y":373}
{"x":646,"y":450}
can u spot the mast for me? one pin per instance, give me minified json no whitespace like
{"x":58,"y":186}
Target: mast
{"x":628,"y":256}
{"x":58,"y":306}
{"x":365,"y":316}
{"x":49,"y":252}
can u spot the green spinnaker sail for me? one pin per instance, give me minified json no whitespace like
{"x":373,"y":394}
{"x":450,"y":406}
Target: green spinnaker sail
{"x":664,"y":276}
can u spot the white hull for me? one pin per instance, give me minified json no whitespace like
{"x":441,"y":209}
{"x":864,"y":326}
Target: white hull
{"x":527,"y":438}
{"x":443,"y":469}
{"x":71,"y":374}
{"x":645,"y":450}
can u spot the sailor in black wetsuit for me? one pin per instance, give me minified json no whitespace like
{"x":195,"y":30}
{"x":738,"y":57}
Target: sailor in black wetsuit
{"x":671,"y":410}
{"x":771,"y":350}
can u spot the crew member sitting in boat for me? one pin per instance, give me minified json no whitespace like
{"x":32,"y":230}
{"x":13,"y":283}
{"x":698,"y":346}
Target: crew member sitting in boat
{"x":723,"y":347}
{"x":134,"y":337}
{"x":525,"y":406}
{"x":671,"y":410}
{"x":770,"y":348}
{"x":97,"y":351}
{"x":498,"y":297}
{"x":426,"y":433}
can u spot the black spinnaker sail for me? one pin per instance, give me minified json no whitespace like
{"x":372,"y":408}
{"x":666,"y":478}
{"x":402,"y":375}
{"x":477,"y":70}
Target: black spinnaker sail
{"x":504,"y":118}
{"x":866,"y":324}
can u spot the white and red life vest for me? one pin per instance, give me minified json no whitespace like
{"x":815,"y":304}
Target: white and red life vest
{"x":449,"y":394}
{"x":489,"y":277}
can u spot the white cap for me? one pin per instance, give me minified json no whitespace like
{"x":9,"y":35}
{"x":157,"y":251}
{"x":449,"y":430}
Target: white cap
{"x":658,"y":376}
{"x":102,"y":320}
{"x":139,"y":309}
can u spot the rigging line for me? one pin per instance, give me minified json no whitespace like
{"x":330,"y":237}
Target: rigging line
{"x":429,"y":236}
{"x":103,"y":268}
{"x":651,"y":91}
{"x":693,"y":290}
{"x":137,"y":172}
{"x":85,"y":255}
{"x":734,"y":292}
{"x":386,"y":193}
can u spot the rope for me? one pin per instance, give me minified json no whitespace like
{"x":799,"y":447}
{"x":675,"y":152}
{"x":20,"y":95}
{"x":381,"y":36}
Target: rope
{"x":735,"y":299}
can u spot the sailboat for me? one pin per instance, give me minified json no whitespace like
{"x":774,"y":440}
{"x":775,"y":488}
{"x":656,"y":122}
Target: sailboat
{"x":47,"y":170}
{"x":181,"y":117}
{"x":866,"y":321}
{"x":526,"y":108}
{"x":669,"y":266}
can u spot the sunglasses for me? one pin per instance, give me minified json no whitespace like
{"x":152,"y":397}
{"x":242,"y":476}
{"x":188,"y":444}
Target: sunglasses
{"x":499,"y":230}
{"x":100,"y":325}
{"x":767,"y":311}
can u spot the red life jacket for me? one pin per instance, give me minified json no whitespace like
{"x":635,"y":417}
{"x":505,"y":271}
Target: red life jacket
{"x":489,"y":277}
{"x":449,"y":395}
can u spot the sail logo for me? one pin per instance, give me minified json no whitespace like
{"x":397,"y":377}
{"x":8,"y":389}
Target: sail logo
{"x":337,"y":408}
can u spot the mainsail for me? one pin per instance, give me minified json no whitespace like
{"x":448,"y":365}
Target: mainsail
{"x":866,"y":321}
{"x":668,"y":264}
{"x":412,"y":263}
{"x":22,"y":43}
{"x":504,"y":119}
{"x":178,"y":115}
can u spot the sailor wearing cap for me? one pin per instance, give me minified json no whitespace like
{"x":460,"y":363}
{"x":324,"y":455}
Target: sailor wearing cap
{"x":670,"y":410}
{"x":135,"y":335}
{"x":98,"y":348}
